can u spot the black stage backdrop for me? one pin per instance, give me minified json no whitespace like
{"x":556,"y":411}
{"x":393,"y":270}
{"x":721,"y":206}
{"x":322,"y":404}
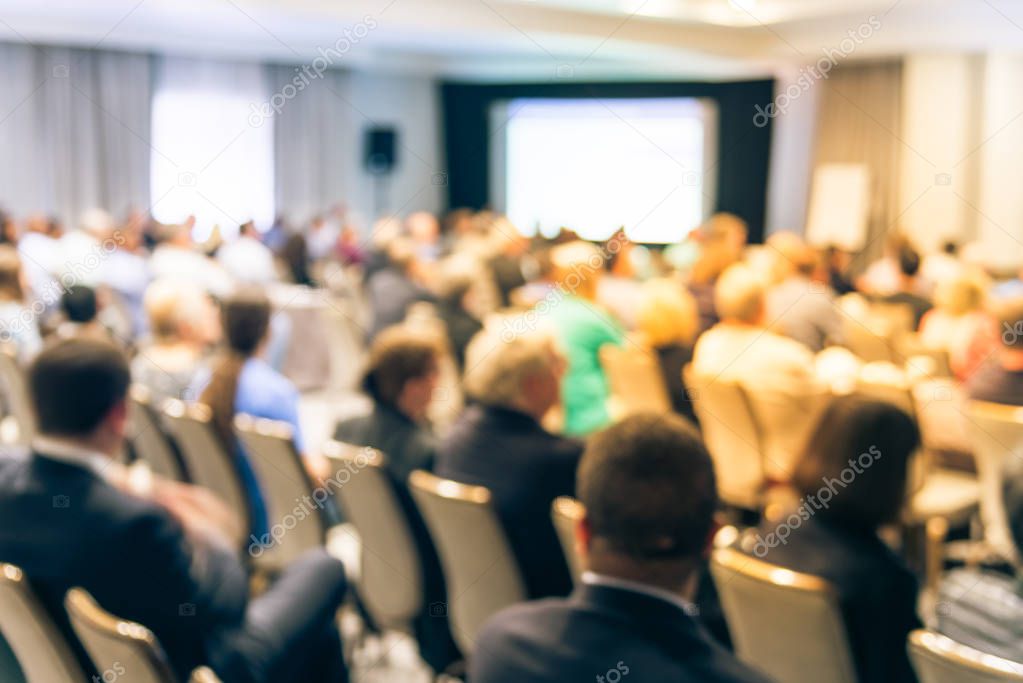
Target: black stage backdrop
{"x":743,"y":148}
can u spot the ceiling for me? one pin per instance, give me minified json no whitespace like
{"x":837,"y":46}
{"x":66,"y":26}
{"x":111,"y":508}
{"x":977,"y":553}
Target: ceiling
{"x":529,"y":39}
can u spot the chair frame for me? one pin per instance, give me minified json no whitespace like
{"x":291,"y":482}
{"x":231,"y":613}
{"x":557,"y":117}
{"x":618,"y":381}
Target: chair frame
{"x":924,"y":643}
{"x":142,"y":398}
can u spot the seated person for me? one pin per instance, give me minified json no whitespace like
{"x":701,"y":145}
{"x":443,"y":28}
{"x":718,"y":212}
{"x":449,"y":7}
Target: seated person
{"x":456,"y":289}
{"x":983,"y":608}
{"x":798,"y":307}
{"x":80,"y":306}
{"x":241,"y":381}
{"x":958,"y":323}
{"x":498,"y":442}
{"x":392,"y":289}
{"x":183,"y":326}
{"x":666,"y":323}
{"x":721,"y":241}
{"x":1000,"y":379}
{"x":648,"y":487}
{"x":400,"y":379}
{"x":740,"y":348}
{"x":18,"y":325}
{"x":909,"y":284}
{"x":159,"y":557}
{"x":852,"y":480}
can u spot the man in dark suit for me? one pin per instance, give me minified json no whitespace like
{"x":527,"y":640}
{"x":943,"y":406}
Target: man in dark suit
{"x":648,"y":487}
{"x":498,"y":442}
{"x":159,"y":556}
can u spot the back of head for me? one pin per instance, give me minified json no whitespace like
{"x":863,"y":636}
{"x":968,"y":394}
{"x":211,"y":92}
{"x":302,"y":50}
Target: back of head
{"x":859,"y":453}
{"x":246,"y":317}
{"x":74,"y":384}
{"x":10,"y":274}
{"x":498,"y":367}
{"x":960,"y":294}
{"x":398,"y":354}
{"x":649,"y":489}
{"x":667,"y":314}
{"x":739,"y":295}
{"x":909,"y":261}
{"x":79,"y":304}
{"x":577,"y":267}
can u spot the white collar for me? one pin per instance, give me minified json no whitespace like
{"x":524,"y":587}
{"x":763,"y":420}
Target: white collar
{"x":68,"y":452}
{"x":594,"y":579}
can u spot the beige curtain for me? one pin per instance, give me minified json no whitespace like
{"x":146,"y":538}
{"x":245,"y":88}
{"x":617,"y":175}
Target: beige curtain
{"x":858,"y":121}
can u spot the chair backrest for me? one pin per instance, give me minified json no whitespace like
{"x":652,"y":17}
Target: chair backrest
{"x":209,"y":465}
{"x":119,"y":649}
{"x":784,"y":421}
{"x":996,"y":433}
{"x":566,"y":513}
{"x":390,"y":576}
{"x":149,"y":440}
{"x":480,"y":571}
{"x":636,"y":382}
{"x":872,"y":338}
{"x":900,"y":394}
{"x":41,"y":650}
{"x":296,"y":525}
{"x":938,"y":659}
{"x":16,"y":397}
{"x":732,"y":437}
{"x":788,"y":625}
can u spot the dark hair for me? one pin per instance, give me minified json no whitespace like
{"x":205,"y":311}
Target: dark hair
{"x":909,"y":261}
{"x":10,"y":274}
{"x":75,"y":383}
{"x":649,"y":489}
{"x":246,"y":319}
{"x":1010,"y":318}
{"x":950,"y":247}
{"x":398,"y":354}
{"x":1012,"y":496}
{"x":860,"y":452}
{"x":295,"y":253}
{"x":79,"y":304}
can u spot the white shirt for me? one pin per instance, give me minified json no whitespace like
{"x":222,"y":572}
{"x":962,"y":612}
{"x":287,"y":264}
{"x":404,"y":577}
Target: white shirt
{"x":178,"y":263}
{"x":594,"y":579}
{"x":72,"y":454}
{"x":743,"y":353}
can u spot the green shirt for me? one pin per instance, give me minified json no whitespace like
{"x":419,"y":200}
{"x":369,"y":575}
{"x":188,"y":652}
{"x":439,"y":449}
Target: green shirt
{"x":582,"y":328}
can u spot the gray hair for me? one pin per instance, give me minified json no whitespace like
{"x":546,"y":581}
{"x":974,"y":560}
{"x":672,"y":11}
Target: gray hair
{"x":496,"y":364}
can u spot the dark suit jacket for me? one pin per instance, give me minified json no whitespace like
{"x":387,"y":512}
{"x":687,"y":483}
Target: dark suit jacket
{"x":877,"y":590}
{"x":65,"y":527}
{"x":526,"y":468}
{"x":599,"y":630}
{"x":390,"y":294}
{"x":407,"y":445}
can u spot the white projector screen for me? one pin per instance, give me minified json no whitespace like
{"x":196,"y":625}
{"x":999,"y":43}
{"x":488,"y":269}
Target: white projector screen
{"x":596,"y":165}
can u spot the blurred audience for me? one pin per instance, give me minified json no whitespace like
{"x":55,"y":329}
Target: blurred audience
{"x":582,"y":328}
{"x":163,"y":555}
{"x":395,"y":286}
{"x":177,"y":258}
{"x":457,"y":277}
{"x":80,"y":306}
{"x":667,"y":322}
{"x":647,"y":484}
{"x":797,"y":306}
{"x":246,"y":259}
{"x":959,"y":323}
{"x":857,"y":457}
{"x":499,"y":442}
{"x":740,"y":348}
{"x":183,"y":326}
{"x":19,"y":324}
{"x":1000,"y":377}
{"x":722,"y":240}
{"x":908,"y":286}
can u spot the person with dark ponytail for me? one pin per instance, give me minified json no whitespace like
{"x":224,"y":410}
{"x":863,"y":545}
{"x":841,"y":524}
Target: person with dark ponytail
{"x":242,"y":382}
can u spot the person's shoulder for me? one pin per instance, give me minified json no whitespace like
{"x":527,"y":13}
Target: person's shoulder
{"x":523,"y":622}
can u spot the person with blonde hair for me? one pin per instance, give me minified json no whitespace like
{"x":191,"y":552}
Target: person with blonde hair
{"x":959,"y":323}
{"x":183,"y":327}
{"x":582,"y":327}
{"x":18,"y":325}
{"x":741,"y":348}
{"x":512,"y":381}
{"x":667,"y":322}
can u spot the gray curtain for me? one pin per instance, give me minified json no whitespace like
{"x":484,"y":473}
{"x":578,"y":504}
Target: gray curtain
{"x":312,"y":140}
{"x":74,"y":130}
{"x":858,"y":121}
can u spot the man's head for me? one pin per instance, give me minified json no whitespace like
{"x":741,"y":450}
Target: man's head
{"x":403,"y":370}
{"x":181,"y":311}
{"x":909,"y":262}
{"x":522,"y":373}
{"x":79,"y":304}
{"x":739,"y":296}
{"x":649,"y":490}
{"x":78,"y":389}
